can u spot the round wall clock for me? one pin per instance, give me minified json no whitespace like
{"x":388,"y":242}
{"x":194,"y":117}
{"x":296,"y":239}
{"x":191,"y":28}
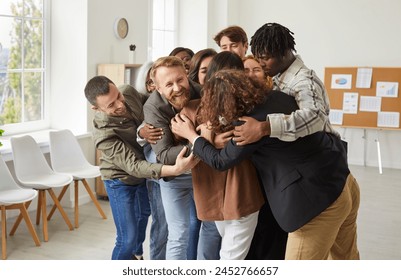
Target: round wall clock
{"x":121,"y":28}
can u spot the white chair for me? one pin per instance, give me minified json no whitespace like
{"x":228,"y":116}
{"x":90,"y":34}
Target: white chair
{"x":67,"y":157}
{"x":12,"y":197}
{"x":33,"y":171}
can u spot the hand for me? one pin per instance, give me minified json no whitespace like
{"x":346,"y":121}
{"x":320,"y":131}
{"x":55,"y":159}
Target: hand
{"x":150,"y":133}
{"x":205,"y":130}
{"x":183,"y":127}
{"x":221,"y":139}
{"x":251,"y":131}
{"x":183,"y":164}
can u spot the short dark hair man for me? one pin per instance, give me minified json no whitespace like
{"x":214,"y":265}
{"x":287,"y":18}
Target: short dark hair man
{"x":233,"y":39}
{"x":122,"y":164}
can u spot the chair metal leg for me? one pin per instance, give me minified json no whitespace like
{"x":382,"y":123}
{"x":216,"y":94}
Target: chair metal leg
{"x":60,"y":208}
{"x":3,"y":232}
{"x":60,"y":197}
{"x":94,"y":199}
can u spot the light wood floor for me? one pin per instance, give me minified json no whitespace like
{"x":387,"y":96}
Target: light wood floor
{"x":379,"y":226}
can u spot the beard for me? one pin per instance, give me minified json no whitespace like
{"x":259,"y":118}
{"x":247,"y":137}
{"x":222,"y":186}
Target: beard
{"x":179,"y":98}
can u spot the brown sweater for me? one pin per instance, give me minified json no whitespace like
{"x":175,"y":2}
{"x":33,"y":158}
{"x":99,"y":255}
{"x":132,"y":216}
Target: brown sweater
{"x":224,"y":195}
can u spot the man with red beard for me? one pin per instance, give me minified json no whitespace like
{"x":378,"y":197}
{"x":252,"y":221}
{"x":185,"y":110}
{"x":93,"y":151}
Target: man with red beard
{"x":173,"y":91}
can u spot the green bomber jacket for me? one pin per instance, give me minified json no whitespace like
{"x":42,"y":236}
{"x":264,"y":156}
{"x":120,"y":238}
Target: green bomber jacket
{"x":116,"y":137}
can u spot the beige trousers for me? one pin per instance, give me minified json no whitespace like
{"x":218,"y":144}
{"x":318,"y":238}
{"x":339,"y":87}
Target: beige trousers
{"x":332,"y":234}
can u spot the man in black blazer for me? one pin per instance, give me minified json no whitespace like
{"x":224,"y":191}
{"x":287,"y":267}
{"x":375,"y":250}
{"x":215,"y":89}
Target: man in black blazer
{"x":308,"y":184}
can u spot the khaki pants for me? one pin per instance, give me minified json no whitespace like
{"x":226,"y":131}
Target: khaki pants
{"x":332,"y":234}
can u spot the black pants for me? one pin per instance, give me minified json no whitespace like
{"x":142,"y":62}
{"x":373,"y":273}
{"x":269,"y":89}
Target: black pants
{"x":269,"y":241}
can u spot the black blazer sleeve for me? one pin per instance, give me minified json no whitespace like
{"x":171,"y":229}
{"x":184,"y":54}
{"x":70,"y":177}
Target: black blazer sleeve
{"x":225,"y":158}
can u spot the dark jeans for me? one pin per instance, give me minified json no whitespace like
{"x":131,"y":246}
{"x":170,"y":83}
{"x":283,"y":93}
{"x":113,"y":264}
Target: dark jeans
{"x":129,"y":205}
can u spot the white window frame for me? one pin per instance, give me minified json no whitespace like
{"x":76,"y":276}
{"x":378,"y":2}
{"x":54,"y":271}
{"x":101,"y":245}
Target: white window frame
{"x":167,"y":49}
{"x":44,"y":123}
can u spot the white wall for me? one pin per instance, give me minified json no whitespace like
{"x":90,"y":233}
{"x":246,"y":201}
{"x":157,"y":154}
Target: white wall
{"x":102,"y":44}
{"x":68,"y":64}
{"x":196,"y":26}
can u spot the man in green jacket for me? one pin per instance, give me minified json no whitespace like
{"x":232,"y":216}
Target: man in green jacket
{"x":123,"y":166}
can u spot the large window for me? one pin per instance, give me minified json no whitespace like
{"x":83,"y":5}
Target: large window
{"x":163,"y":27}
{"x":22,"y":64}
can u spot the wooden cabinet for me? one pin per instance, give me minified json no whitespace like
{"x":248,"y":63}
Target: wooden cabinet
{"x":119,"y":73}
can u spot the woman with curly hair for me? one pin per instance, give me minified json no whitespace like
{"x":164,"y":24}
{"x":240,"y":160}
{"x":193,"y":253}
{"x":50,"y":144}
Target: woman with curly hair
{"x":312,"y":193}
{"x":227,"y":202}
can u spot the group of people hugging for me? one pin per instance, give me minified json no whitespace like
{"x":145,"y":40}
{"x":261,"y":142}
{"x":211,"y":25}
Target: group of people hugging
{"x":232,"y":155}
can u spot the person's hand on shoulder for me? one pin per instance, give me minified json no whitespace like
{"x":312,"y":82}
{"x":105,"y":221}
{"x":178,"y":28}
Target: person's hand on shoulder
{"x":150,"y":133}
{"x":183,"y":164}
{"x":221,"y":139}
{"x":250,"y":131}
{"x":183,"y":127}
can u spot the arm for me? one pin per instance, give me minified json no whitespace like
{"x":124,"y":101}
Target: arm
{"x":132,"y":164}
{"x":221,"y":139}
{"x":167,"y":148}
{"x":182,"y":164}
{"x":313,"y":111}
{"x":218,"y":140}
{"x":279,"y":110}
{"x":218,"y":159}
{"x":250,"y":131}
{"x":148,"y":133}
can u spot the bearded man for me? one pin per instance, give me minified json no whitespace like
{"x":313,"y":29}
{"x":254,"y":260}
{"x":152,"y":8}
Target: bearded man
{"x":173,"y":92}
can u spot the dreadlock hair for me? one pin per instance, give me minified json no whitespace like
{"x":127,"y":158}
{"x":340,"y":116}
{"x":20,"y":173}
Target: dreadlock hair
{"x":272,"y":39}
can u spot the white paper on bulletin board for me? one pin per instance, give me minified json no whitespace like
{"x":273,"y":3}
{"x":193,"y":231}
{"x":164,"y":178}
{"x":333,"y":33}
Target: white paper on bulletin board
{"x":341,"y":81}
{"x":388,"y":119}
{"x":364,"y":78}
{"x":370,"y":104}
{"x":336,"y":116}
{"x":387,"y":89}
{"x":350,"y":103}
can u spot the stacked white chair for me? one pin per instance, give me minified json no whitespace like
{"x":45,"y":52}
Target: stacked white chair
{"x":33,"y":172}
{"x":13,"y":197}
{"x":67,"y":157}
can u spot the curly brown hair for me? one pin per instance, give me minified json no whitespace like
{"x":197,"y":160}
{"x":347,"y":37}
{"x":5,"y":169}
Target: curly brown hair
{"x":228,"y":95}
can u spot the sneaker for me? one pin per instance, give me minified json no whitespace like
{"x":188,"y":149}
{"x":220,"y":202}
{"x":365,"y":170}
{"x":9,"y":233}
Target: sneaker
{"x":137,"y":258}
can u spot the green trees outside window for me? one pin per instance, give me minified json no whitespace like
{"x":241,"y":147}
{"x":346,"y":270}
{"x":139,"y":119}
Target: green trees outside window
{"x":22,"y":68}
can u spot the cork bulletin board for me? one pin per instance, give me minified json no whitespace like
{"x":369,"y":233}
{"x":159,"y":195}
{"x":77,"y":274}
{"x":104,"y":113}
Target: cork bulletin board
{"x":372,"y":104}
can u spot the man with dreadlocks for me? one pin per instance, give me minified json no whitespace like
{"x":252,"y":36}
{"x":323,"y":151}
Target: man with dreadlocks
{"x":274,"y":46}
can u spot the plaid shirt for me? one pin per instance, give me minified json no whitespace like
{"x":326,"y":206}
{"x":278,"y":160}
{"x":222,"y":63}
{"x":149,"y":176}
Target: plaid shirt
{"x":312,"y":99}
